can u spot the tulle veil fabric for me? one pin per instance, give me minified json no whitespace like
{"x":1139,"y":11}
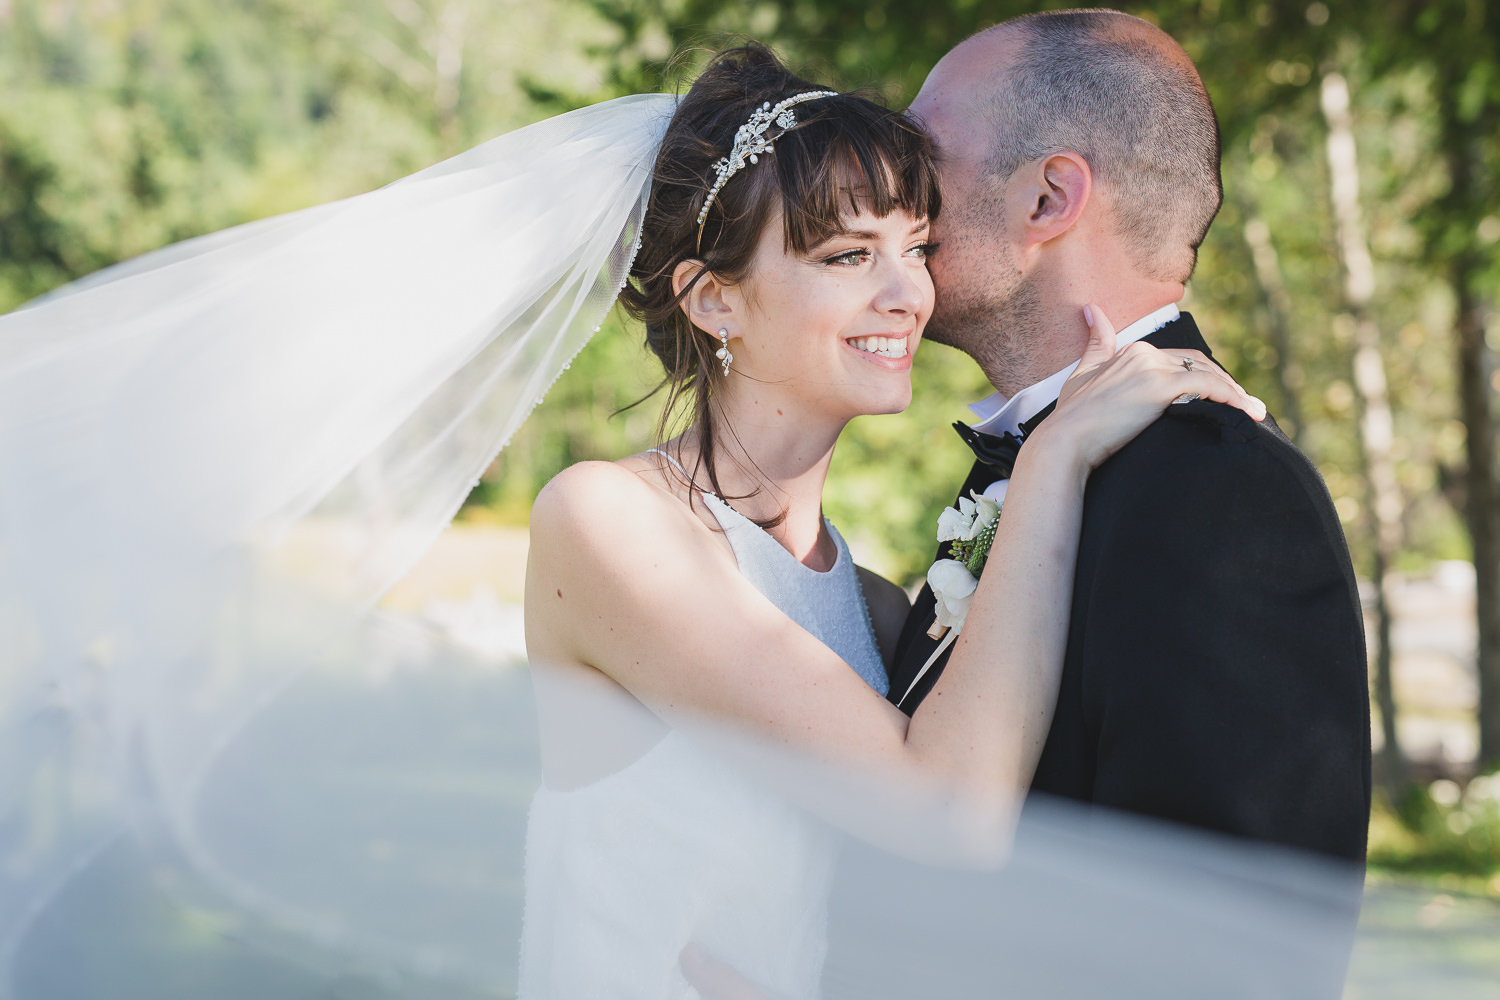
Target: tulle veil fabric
{"x":215,"y":457}
{"x":212,"y":456}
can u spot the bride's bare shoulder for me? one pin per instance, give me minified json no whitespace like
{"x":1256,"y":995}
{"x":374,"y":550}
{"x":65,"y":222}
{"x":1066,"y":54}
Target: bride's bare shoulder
{"x":618,"y":499}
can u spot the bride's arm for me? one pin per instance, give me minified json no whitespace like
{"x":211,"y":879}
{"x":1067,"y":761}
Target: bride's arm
{"x":618,"y":579}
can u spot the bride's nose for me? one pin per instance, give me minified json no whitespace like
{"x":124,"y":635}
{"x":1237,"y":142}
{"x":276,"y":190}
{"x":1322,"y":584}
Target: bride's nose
{"x":902,"y":289}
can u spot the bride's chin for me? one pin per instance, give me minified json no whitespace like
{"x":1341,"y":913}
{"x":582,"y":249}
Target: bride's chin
{"x":894,"y":403}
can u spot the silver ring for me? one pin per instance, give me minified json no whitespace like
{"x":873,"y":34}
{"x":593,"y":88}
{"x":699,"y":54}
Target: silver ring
{"x":1187,"y":397}
{"x":1187,"y":364}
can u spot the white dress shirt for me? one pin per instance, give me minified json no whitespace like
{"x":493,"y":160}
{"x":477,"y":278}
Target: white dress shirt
{"x":998,"y":415}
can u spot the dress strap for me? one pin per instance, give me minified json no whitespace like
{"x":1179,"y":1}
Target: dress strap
{"x":716,"y":503}
{"x":685,"y":472}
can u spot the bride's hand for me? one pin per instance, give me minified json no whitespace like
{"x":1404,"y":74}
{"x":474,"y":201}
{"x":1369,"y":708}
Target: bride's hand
{"x":1112,"y":397}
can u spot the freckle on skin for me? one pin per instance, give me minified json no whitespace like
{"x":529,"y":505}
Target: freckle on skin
{"x":559,"y":592}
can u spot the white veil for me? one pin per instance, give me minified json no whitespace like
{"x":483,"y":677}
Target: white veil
{"x":222,"y":775}
{"x":210,"y":452}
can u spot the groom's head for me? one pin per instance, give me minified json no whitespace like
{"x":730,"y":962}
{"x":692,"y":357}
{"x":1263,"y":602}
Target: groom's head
{"x":1080,"y":163}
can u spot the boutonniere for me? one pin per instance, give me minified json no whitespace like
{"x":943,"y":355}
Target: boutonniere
{"x":971,"y":529}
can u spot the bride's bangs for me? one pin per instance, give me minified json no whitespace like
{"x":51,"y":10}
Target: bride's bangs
{"x":854,"y":156}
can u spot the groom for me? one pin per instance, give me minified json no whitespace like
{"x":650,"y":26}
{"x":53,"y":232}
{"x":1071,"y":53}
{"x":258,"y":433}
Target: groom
{"x":1215,"y":672}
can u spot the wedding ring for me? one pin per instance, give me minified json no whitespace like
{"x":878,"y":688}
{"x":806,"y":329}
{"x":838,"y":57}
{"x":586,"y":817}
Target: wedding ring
{"x":1188,"y":397}
{"x":1187,"y":363}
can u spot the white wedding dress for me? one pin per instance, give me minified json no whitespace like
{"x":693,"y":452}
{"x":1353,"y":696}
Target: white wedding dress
{"x":681,"y":847}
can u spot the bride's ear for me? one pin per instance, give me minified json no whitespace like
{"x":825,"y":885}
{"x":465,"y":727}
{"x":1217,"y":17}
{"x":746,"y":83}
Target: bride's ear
{"x":706,"y":305}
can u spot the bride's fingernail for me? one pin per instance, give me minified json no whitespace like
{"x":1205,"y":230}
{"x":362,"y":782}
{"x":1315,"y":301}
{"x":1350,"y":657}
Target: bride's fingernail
{"x":1088,"y":317}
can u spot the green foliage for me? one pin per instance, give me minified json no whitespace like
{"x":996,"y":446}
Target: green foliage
{"x":1441,"y":827}
{"x":587,"y":416}
{"x":131,"y":123}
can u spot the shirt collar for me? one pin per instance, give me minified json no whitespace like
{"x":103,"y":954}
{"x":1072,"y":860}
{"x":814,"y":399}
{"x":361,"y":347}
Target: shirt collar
{"x":998,"y":415}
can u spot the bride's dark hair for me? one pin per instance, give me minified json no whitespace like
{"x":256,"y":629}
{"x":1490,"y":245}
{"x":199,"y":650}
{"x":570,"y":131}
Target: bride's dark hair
{"x":846,"y":152}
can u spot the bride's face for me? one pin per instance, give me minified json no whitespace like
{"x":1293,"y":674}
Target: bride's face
{"x":836,"y":327}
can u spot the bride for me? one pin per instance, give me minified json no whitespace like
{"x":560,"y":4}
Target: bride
{"x":784,"y":287}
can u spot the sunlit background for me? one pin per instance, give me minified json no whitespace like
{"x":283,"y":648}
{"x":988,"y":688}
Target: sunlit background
{"x":1350,"y":279}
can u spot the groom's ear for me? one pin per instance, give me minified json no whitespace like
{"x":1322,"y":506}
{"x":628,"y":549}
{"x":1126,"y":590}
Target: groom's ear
{"x":706,"y":305}
{"x":1060,"y":188}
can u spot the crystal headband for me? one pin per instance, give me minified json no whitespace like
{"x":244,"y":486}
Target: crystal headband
{"x":750,"y":141}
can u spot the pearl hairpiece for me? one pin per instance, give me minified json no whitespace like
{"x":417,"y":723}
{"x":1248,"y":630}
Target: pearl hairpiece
{"x":750,"y":141}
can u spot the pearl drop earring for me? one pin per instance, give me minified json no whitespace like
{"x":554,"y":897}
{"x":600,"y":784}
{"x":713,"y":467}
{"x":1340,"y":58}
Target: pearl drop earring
{"x":723,"y":353}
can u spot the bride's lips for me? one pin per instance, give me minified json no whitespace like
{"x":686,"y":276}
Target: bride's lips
{"x":888,"y":350}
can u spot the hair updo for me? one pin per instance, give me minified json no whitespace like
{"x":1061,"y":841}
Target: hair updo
{"x":845,"y":152}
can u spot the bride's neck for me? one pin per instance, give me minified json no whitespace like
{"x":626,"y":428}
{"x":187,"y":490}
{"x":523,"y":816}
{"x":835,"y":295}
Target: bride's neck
{"x":774,"y":458}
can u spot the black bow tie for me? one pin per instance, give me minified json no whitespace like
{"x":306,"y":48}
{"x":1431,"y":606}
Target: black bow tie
{"x":996,"y":453}
{"x":999,"y":453}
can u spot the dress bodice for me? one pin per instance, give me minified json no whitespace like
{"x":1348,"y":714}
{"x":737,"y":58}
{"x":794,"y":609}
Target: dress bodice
{"x":830,"y":605}
{"x":680,"y":847}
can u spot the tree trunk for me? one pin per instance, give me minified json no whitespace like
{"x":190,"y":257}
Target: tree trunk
{"x":1382,"y":492}
{"x":1481,"y":507}
{"x":1482,"y":493}
{"x":1279,"y":305}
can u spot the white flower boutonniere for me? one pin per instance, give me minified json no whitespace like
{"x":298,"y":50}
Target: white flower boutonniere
{"x":971,"y":529}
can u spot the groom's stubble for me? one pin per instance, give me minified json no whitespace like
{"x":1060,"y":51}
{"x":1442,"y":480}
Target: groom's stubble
{"x":986,"y":306}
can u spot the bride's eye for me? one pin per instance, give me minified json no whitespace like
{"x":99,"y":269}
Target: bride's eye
{"x":923,"y":250}
{"x":849,"y":257}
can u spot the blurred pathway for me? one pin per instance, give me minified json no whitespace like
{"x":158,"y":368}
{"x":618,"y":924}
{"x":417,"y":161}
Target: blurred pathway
{"x":1437,"y":688}
{"x":469,"y":586}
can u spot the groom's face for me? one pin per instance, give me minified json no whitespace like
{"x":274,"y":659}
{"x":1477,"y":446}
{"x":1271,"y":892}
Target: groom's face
{"x":987,"y":305}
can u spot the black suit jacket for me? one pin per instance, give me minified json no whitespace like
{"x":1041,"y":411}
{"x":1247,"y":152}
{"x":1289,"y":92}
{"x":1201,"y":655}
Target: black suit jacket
{"x":1215,"y":672}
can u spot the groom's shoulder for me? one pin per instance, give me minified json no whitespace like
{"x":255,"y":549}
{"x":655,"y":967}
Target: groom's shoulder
{"x":1205,"y":423}
{"x":1206,"y":432}
{"x":1208,"y":449}
{"x":1208,"y":482}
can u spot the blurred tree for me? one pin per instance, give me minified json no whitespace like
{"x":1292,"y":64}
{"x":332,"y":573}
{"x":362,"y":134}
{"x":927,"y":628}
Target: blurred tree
{"x":1460,"y":42}
{"x":1375,"y":428}
{"x":1451,"y":50}
{"x":1278,"y":306}
{"x":129,"y":124}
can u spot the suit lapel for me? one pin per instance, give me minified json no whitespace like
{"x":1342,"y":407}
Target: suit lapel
{"x":915,"y":647}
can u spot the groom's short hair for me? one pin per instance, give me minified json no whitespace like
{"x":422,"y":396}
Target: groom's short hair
{"x":1120,"y":93}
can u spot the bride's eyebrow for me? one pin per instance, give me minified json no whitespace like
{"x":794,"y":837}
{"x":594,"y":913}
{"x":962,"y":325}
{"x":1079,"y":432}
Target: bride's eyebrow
{"x":860,"y":234}
{"x":846,"y":234}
